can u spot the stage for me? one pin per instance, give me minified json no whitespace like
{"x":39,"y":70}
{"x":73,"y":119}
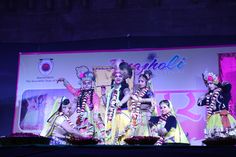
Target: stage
{"x":113,"y":151}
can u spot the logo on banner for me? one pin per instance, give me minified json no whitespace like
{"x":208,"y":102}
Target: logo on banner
{"x":154,"y":63}
{"x":46,"y":66}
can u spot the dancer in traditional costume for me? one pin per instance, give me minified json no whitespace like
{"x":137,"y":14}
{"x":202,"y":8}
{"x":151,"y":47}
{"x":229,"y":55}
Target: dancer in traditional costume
{"x":142,"y":106}
{"x":117,"y":114}
{"x":126,"y":71}
{"x":89,"y":118}
{"x":59,"y":126}
{"x":166,"y":126}
{"x":220,"y":123}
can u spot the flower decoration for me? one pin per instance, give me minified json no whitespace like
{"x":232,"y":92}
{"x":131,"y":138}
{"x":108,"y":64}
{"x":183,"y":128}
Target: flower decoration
{"x":210,"y":77}
{"x":81,"y":75}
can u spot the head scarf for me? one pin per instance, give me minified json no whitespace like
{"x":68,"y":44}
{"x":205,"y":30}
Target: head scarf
{"x":47,"y":129}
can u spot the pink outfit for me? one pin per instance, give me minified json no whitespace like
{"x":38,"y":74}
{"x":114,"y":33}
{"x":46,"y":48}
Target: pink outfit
{"x":77,"y":92}
{"x":72,"y":90}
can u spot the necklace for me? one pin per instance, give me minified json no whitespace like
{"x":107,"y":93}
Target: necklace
{"x":67,"y":119}
{"x":112,"y":105}
{"x":83,"y":106}
{"x":211,"y":101}
{"x":135,"y":106}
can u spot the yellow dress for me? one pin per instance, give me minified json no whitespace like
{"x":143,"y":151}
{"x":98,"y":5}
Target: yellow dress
{"x":116,"y":119}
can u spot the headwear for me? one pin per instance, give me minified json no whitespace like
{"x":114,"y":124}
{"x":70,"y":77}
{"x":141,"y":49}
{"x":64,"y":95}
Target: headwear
{"x":64,"y":101}
{"x":83,"y":73}
{"x":170,"y":106}
{"x":58,"y":103}
{"x":48,"y":125}
{"x":210,"y":77}
{"x":116,"y":63}
{"x":147,"y":74}
{"x":177,"y":135}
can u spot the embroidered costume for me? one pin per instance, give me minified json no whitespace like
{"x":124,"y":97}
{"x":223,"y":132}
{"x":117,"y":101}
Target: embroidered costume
{"x":220,"y":123}
{"x":173,"y":133}
{"x":116,"y":117}
{"x":53,"y":127}
{"x":89,"y":119}
{"x":142,"y":103}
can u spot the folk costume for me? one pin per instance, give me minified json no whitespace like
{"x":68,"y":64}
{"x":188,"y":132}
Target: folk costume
{"x":220,"y":123}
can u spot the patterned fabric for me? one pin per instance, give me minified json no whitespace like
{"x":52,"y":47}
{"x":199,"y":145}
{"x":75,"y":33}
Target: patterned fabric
{"x":58,"y":141}
{"x":216,"y":128}
{"x":216,"y":100}
{"x":219,"y":121}
{"x":56,"y":130}
{"x":56,"y":118}
{"x":117,"y":118}
{"x":88,"y":116}
{"x":168,"y":128}
{"x":117,"y":132}
{"x":142,"y":129}
{"x":174,"y":133}
{"x":135,"y":106}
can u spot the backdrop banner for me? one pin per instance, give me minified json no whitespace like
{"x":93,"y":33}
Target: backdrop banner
{"x":177,"y":77}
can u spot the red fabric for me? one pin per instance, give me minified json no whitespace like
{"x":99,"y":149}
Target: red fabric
{"x":225,"y":119}
{"x":72,"y":90}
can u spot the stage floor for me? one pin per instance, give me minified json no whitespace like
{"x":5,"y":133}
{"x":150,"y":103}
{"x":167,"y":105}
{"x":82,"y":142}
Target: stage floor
{"x":115,"y":151}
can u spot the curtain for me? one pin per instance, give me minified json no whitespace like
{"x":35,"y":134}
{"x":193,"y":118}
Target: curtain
{"x":227,"y":72}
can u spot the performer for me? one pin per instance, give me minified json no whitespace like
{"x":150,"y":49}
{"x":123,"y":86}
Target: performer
{"x":89,"y":118}
{"x":142,"y":106}
{"x":219,"y":121}
{"x":126,"y":71}
{"x":166,"y":126}
{"x":117,"y":114}
{"x":58,"y":126}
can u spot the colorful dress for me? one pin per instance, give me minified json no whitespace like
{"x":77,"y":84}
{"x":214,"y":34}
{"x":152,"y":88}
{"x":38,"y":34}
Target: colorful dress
{"x":141,"y":113}
{"x":116,"y":118}
{"x":220,"y":123}
{"x":89,"y":118}
{"x":88,"y":108}
{"x":54,"y":130}
{"x":174,"y":133}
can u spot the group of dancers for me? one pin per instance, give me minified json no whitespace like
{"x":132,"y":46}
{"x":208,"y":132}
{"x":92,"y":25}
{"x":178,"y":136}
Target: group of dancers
{"x":132,"y":113}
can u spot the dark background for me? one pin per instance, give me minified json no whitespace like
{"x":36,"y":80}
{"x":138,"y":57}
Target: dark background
{"x":54,"y":25}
